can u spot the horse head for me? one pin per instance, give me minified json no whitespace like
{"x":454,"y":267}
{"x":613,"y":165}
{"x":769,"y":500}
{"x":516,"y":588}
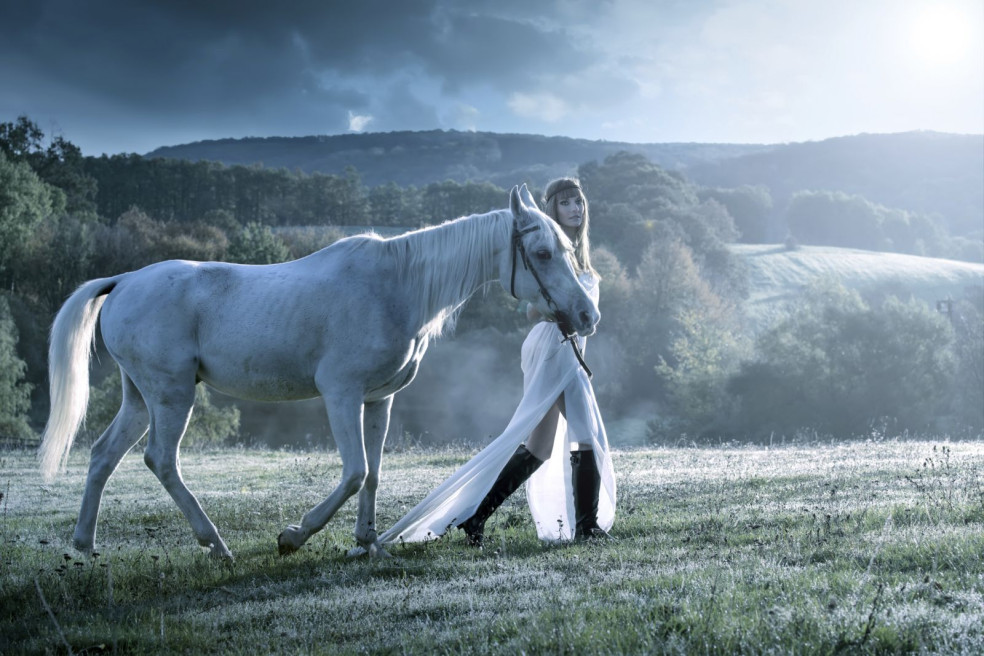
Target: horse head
{"x":541,"y":268}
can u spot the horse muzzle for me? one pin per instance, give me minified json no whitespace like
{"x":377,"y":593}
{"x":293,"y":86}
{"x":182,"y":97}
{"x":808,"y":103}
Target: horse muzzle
{"x":583,"y":323}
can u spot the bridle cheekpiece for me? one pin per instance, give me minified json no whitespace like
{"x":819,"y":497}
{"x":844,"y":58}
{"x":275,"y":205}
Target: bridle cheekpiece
{"x":563,"y":323}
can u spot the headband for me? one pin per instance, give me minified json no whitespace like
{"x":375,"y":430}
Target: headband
{"x":564,"y":186}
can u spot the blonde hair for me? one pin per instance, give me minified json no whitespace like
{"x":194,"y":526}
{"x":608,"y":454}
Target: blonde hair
{"x":561,"y":189}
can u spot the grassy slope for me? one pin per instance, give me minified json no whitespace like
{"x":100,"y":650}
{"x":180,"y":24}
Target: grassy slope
{"x":777,"y":275}
{"x":839,"y":548}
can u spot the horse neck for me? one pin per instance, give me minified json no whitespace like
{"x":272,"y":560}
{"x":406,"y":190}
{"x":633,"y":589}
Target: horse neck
{"x":446,"y":264}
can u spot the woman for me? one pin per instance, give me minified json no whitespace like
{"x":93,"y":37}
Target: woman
{"x":570,"y":496}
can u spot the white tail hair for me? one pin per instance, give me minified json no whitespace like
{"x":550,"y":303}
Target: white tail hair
{"x":72,"y":339}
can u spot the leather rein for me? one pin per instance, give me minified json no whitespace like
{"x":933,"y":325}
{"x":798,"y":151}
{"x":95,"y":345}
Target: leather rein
{"x":563,"y":325}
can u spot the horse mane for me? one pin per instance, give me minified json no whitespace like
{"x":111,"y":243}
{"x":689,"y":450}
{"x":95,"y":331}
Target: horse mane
{"x":443,"y":265}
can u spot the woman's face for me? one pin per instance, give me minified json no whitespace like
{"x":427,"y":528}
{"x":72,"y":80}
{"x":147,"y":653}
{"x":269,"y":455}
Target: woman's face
{"x":570,"y":213}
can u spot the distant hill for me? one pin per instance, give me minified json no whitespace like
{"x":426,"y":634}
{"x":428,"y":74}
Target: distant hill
{"x":924,"y":172}
{"x":420,"y":158}
{"x":778,"y":275}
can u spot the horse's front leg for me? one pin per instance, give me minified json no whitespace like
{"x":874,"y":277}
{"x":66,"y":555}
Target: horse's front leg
{"x":377,"y":416}
{"x":345,"y":417}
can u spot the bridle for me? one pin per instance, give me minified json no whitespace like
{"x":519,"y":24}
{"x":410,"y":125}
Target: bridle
{"x":518,"y":247}
{"x":563,"y":322}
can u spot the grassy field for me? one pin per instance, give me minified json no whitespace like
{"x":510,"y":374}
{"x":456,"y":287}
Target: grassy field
{"x":839,"y":548}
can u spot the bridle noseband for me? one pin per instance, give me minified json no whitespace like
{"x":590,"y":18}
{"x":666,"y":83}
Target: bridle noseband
{"x":563,"y":322}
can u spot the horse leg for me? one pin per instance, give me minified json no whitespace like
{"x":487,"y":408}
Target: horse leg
{"x":126,"y":430}
{"x":345,"y":417}
{"x":376,"y":422}
{"x":168,"y":422}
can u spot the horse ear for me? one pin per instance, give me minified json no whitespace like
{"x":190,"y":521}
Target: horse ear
{"x":527,"y":196}
{"x":516,"y":203}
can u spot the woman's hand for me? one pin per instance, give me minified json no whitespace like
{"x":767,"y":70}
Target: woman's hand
{"x":532,"y":313}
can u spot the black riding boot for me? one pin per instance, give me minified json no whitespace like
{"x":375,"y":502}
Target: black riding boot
{"x":521,"y":465}
{"x":587,"y":487}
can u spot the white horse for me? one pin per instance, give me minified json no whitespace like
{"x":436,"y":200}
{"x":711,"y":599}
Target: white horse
{"x":349,"y":323}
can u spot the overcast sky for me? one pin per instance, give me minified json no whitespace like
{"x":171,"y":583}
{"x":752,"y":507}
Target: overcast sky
{"x":131,"y":75}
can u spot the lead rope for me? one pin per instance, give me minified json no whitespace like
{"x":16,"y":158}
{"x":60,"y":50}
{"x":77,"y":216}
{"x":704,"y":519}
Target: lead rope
{"x":577,"y":352}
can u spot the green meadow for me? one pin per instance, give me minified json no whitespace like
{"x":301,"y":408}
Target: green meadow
{"x":833,"y":548}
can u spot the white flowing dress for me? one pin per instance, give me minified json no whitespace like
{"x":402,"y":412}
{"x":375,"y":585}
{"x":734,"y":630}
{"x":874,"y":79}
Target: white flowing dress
{"x":550,"y":369}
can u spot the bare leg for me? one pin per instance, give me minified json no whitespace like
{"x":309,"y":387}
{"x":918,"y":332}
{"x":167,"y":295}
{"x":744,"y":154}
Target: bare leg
{"x":540,"y":441}
{"x":168,"y":421}
{"x":345,"y":416}
{"x":126,"y":430}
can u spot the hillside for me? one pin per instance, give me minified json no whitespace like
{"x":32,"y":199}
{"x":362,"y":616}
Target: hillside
{"x":419,"y":158}
{"x":777,"y":275}
{"x":924,"y":172}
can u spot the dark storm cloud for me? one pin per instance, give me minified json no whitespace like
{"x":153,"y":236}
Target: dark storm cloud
{"x":162,"y":54}
{"x":133,"y":75}
{"x":404,"y":109}
{"x":506,"y":53}
{"x":158,"y":56}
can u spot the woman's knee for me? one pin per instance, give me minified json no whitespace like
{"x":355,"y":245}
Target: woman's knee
{"x":541,"y":451}
{"x":540,"y":442}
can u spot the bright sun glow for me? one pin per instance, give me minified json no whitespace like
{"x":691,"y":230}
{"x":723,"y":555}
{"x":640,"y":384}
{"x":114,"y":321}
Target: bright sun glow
{"x":940,"y":34}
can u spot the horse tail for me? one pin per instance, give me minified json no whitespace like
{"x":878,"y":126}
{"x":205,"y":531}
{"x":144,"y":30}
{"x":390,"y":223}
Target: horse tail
{"x":73,"y":336}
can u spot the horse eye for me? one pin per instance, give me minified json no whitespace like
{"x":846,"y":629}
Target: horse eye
{"x":543,"y":254}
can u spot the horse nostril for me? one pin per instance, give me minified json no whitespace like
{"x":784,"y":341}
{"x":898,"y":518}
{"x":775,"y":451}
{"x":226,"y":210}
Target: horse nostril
{"x":585,"y":317}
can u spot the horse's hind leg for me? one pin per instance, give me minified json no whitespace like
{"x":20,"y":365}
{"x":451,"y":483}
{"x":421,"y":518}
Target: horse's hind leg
{"x":126,"y":430}
{"x":168,"y":421}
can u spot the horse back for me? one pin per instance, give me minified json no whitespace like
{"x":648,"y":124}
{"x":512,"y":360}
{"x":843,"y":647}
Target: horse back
{"x":261,"y":331}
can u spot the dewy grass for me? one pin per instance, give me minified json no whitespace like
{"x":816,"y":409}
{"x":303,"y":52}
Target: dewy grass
{"x":837,"y":549}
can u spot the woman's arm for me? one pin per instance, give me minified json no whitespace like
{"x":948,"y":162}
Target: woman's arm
{"x":532,"y":313}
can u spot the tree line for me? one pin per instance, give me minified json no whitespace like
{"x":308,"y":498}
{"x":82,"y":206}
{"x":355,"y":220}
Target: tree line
{"x":672,"y":337}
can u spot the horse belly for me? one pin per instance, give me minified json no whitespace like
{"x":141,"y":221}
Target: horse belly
{"x":261,"y":374}
{"x":267,"y":388}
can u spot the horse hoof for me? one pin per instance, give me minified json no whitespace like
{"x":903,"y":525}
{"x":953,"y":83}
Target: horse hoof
{"x":374,"y":550}
{"x":285,"y":545}
{"x":221,"y":555}
{"x":283,"y":548}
